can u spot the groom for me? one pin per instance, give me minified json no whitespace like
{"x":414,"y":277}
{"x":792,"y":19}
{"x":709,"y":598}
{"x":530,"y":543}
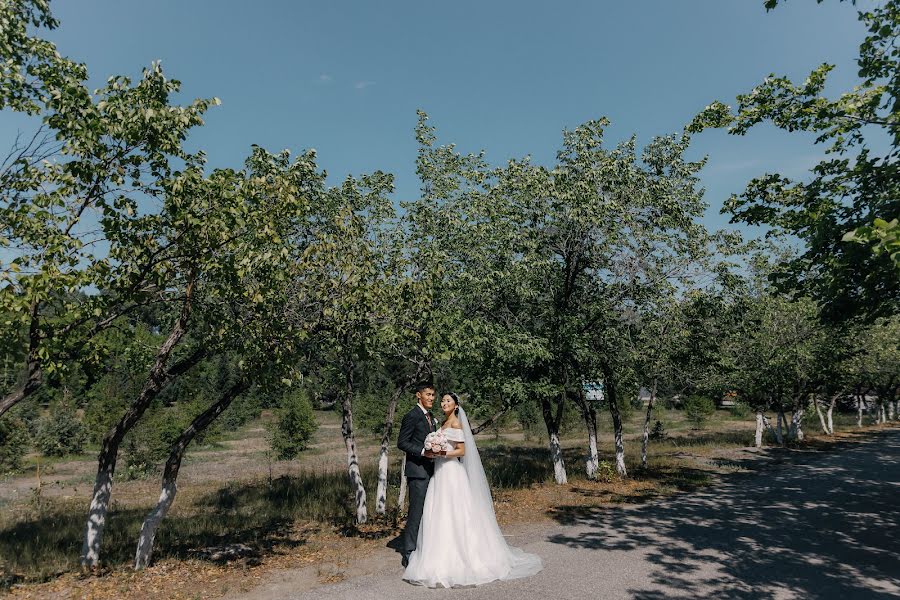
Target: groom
{"x":416,"y":425}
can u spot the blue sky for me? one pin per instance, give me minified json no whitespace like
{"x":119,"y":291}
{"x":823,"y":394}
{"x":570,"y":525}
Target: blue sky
{"x":347,"y":77}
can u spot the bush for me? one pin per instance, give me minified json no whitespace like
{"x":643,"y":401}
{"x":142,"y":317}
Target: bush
{"x":740,"y":410}
{"x":243,"y":410}
{"x":13,"y":444}
{"x":605,"y":472}
{"x":698,"y":409}
{"x":658,"y":432}
{"x":148,"y":444}
{"x":294,"y":425}
{"x":61,"y":432}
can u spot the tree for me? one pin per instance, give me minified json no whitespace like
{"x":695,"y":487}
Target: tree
{"x":350,"y":271}
{"x":227,"y":236}
{"x":247,"y":306}
{"x":856,"y":188}
{"x":61,"y":432}
{"x":294,"y":425}
{"x":770,"y":350}
{"x":77,"y":183}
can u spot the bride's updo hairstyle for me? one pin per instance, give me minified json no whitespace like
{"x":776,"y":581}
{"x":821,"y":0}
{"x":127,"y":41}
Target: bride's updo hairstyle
{"x":456,"y":400}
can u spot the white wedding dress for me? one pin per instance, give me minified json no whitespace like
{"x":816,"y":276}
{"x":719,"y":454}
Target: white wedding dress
{"x":459,"y":541}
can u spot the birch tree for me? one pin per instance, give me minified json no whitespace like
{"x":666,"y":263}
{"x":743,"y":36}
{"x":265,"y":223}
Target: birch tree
{"x":251,"y":311}
{"x":352,"y":268}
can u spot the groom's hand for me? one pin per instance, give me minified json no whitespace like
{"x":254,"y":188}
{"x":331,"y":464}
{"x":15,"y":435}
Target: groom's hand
{"x":430,"y":454}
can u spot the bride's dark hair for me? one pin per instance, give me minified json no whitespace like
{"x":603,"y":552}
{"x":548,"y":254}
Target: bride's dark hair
{"x":455,"y":399}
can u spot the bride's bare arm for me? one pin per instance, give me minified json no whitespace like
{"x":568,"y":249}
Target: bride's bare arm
{"x":460,"y":450}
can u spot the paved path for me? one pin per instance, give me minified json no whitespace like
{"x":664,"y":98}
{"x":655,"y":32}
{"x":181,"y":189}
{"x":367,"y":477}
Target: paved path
{"x":819,"y":525}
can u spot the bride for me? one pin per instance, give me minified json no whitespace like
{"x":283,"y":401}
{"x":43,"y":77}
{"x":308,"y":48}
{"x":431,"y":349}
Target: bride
{"x":459,"y":541}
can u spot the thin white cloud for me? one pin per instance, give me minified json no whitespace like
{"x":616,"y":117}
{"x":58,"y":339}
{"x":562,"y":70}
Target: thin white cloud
{"x":361,"y":85}
{"x":325,"y":78}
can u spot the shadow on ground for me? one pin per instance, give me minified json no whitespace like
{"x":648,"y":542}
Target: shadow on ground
{"x":826,"y":527}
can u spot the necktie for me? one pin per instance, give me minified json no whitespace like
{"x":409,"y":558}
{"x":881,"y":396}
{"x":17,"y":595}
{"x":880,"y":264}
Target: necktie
{"x":428,"y":418}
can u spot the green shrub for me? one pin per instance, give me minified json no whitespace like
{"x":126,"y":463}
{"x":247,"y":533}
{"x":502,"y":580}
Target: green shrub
{"x":529,"y":416}
{"x":605,"y":471}
{"x":740,"y":410}
{"x":294,"y":425}
{"x":244,"y":409}
{"x":13,"y":444}
{"x":698,"y":410}
{"x":61,"y":433}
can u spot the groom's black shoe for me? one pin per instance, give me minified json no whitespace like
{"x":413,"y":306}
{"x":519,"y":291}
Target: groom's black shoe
{"x":405,"y":561}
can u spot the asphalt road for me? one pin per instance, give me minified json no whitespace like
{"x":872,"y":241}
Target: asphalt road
{"x":818,"y":525}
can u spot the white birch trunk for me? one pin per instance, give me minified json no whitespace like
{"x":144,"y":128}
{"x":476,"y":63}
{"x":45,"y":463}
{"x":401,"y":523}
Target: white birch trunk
{"x":760,"y":421}
{"x":356,"y":480}
{"x":559,"y":466}
{"x":401,"y":497}
{"x":169,"y":487}
{"x":381,"y":490}
{"x":552,"y":423}
{"x":797,"y":425}
{"x":589,"y":415}
{"x":593,"y":459}
{"x":157,"y":378}
{"x":859,"y":411}
{"x":619,"y":439}
{"x":151,"y":524}
{"x":821,"y":416}
{"x":352,"y":460}
{"x":892,"y":414}
{"x":645,"y":437}
{"x":90,"y":550}
{"x":881,"y":413}
{"x":829,"y":417}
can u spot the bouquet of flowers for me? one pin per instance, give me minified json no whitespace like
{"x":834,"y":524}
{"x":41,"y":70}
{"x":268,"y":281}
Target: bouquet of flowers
{"x":436,"y":441}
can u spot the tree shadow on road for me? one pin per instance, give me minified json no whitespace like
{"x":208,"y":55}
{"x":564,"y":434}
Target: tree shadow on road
{"x":815,"y":525}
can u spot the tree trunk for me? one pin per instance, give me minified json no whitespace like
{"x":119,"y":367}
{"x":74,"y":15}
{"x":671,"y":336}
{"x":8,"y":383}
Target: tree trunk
{"x":493,"y":418}
{"x":759,"y":429}
{"x":612,"y":400}
{"x":881,"y":412}
{"x":859,"y":410}
{"x":593,"y":459}
{"x":401,"y":497}
{"x":892,"y":414}
{"x":768,"y":425}
{"x":350,"y":443}
{"x":552,"y":423}
{"x":170,"y":473}
{"x":779,"y":433}
{"x":106,"y":462}
{"x":381,"y":490}
{"x":821,"y":416}
{"x":797,"y":425}
{"x":829,"y":415}
{"x":589,"y":415}
{"x":645,"y":439}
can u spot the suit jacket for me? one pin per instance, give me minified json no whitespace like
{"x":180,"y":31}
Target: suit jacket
{"x":411,"y":439}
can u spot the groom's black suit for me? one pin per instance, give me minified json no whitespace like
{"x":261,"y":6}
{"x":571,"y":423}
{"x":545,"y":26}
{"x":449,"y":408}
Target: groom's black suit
{"x":419,"y":469}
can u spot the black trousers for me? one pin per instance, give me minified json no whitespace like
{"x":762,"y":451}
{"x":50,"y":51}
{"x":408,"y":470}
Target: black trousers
{"x":417,"y":490}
